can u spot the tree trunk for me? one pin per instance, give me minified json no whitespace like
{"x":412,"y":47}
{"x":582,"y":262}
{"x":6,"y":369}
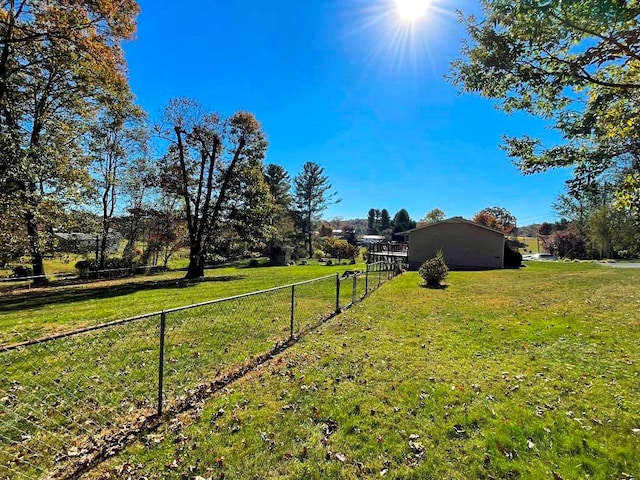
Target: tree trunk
{"x":308,"y":240}
{"x":36,"y":254}
{"x":103,"y":246}
{"x":196,"y":263}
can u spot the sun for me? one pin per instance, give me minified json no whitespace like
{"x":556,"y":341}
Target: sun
{"x":411,"y":10}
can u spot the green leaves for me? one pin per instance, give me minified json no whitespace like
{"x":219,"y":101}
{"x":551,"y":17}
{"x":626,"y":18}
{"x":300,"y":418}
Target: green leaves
{"x":575,"y":63}
{"x":434,"y":270}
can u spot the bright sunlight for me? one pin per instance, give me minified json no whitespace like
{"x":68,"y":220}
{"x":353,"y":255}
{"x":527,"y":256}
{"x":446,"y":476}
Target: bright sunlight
{"x":412,"y":10}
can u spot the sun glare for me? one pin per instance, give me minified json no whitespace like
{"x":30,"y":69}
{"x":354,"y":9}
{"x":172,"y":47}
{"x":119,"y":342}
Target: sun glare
{"x":401,"y":34}
{"x":411,"y":10}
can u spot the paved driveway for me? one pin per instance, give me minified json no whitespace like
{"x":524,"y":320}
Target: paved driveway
{"x":621,"y":264}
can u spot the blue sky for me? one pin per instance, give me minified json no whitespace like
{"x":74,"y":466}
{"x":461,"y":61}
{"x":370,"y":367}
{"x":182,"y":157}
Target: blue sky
{"x":348,"y":85}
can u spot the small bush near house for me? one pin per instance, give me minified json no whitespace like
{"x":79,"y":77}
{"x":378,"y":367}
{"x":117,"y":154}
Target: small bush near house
{"x":434,"y":270}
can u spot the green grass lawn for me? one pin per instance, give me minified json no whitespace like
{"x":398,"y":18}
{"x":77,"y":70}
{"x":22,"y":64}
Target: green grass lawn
{"x":55,"y":395}
{"x":531,"y":243}
{"x":28,"y":314}
{"x":504,"y":374}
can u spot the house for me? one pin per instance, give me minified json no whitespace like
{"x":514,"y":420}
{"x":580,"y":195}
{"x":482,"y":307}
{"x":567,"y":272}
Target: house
{"x":466,"y":245}
{"x":83,"y":242}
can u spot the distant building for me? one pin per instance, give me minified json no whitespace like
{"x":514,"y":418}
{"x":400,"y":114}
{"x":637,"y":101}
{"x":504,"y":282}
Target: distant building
{"x":83,"y":242}
{"x":369,"y":239}
{"x":466,"y":245}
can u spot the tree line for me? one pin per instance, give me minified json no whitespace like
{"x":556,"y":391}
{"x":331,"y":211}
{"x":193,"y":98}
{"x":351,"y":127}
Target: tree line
{"x":78,"y":154}
{"x":379,"y":222}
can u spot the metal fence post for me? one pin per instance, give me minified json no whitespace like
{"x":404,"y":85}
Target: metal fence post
{"x":353,"y":290}
{"x":163,"y":325}
{"x":293,"y":300}
{"x":366,"y":281}
{"x":337,"y":292}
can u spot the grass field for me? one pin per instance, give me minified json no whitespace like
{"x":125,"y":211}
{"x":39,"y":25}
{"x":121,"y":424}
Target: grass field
{"x":504,"y":374}
{"x":531,"y":245}
{"x":27,"y":314}
{"x":56,"y":395}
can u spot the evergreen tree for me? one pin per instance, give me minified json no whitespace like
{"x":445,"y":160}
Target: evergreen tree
{"x":311,"y":198}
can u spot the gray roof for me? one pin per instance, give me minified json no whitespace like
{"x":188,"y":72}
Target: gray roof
{"x":453,"y":220}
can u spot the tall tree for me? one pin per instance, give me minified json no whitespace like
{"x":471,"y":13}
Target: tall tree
{"x":281,"y":221}
{"x":311,"y":197}
{"x":57,"y":63}
{"x":574,"y":63}
{"x":385,"y":219}
{"x":167,"y":229}
{"x":498,"y":218}
{"x":433,"y":216}
{"x":115,"y":137}
{"x":611,"y":232}
{"x":279,"y":184}
{"x":247,"y":211}
{"x":401,"y":223}
{"x":371,"y":221}
{"x":204,"y":157}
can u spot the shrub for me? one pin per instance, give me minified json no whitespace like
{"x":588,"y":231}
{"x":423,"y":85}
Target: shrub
{"x":512,"y":257}
{"x":300,"y":253}
{"x":253,"y":263}
{"x":22,"y":271}
{"x":84,"y":265}
{"x":434,"y":270}
{"x":566,"y":243}
{"x":340,"y":249}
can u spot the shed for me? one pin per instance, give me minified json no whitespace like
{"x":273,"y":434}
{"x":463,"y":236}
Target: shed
{"x":466,"y":245}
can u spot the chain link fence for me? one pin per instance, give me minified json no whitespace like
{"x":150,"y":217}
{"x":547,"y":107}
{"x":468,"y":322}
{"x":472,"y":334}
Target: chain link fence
{"x":61,"y":396}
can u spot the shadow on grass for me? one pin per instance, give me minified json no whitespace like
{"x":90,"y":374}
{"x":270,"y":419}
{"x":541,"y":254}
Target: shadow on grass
{"x":434,"y":287}
{"x":71,"y":294}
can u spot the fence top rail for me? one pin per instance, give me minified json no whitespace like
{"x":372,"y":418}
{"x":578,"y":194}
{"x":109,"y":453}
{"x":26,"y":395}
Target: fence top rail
{"x":26,"y":343}
{"x":249,"y":294}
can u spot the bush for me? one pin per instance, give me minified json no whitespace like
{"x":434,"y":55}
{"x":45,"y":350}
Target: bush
{"x":512,"y":257}
{"x":300,"y":253}
{"x":84,"y":265}
{"x":22,"y":271}
{"x":253,"y":263}
{"x":566,"y":243}
{"x":434,"y":270}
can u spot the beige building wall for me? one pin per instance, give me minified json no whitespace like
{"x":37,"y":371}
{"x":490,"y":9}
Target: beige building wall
{"x":465,"y":245}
